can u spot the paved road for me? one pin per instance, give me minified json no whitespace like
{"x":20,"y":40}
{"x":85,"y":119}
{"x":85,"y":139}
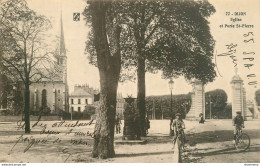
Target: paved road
{"x":210,"y":142}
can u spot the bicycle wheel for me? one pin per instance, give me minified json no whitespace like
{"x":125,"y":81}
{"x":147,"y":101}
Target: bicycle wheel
{"x":179,"y":150}
{"x":176,"y":154}
{"x":242,"y":142}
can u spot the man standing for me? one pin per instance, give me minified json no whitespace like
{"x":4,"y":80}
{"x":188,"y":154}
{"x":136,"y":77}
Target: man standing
{"x":178,"y":127}
{"x":238,"y":123}
{"x":118,"y":123}
{"x":147,"y":124}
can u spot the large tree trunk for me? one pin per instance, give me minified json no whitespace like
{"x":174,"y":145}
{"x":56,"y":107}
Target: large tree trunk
{"x":3,"y":89}
{"x":141,"y":93}
{"x":140,"y":37}
{"x":105,"y":124}
{"x":27,"y":108}
{"x":109,"y":64}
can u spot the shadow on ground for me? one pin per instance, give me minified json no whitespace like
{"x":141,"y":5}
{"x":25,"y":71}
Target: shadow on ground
{"x":158,"y":139}
{"x":220,"y":144}
{"x":143,"y":154}
{"x":154,"y":139}
{"x":230,"y":150}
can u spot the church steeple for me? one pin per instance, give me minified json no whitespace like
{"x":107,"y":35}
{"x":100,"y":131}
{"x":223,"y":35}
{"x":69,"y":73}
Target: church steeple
{"x":62,"y":57}
{"x":62,"y":41}
{"x":63,"y":63}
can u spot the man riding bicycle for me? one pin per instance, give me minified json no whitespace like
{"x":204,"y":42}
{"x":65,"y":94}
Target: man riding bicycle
{"x":238,"y":123}
{"x":178,"y":127}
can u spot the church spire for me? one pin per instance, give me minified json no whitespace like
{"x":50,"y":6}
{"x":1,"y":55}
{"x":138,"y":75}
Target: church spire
{"x":62,"y":41}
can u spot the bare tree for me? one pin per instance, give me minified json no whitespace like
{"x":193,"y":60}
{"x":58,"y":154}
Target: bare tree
{"x":23,"y":50}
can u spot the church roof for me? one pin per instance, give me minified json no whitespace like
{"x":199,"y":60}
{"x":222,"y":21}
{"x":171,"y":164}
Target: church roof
{"x":52,"y":73}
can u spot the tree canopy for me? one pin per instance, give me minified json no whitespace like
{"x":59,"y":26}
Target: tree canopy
{"x":218,"y":99}
{"x":171,"y":36}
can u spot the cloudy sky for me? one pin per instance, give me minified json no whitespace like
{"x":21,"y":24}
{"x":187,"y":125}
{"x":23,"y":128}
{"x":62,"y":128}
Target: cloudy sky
{"x":81,"y":72}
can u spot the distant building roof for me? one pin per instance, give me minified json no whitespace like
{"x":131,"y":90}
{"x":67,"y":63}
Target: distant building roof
{"x":80,"y":92}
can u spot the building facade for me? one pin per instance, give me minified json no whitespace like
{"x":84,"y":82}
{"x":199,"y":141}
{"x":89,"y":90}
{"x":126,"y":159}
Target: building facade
{"x":81,"y":96}
{"x":120,"y":105}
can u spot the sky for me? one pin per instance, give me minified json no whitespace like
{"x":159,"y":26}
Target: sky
{"x":81,"y":72}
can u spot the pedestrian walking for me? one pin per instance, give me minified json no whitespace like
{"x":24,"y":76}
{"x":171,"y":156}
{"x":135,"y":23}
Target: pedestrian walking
{"x":201,"y":119}
{"x":147,"y":124}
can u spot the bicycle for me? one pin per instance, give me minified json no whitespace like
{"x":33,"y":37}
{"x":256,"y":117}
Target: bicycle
{"x":180,"y":144}
{"x":242,"y":141}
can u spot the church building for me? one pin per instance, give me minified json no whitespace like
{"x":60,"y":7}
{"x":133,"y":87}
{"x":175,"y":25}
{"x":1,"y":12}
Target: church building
{"x":53,"y":94}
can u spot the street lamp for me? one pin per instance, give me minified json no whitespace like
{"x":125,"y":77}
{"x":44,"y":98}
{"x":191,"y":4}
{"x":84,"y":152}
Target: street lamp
{"x":14,"y":90}
{"x":209,"y":103}
{"x":171,"y":82}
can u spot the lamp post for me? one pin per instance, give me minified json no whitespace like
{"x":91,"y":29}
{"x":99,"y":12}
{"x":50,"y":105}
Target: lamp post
{"x":71,"y":109}
{"x":171,"y":82}
{"x":209,"y":106}
{"x":13,"y":100}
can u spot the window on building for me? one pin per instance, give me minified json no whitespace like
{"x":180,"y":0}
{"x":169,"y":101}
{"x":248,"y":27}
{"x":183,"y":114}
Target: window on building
{"x":44,"y":98}
{"x":72,"y":102}
{"x":78,"y":109}
{"x":58,"y":91}
{"x":79,"y":102}
{"x":86,"y":101}
{"x":72,"y":108}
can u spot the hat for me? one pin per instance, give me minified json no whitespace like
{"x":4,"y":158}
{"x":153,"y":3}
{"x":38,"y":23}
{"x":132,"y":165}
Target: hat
{"x":238,"y":112}
{"x":178,"y":114}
